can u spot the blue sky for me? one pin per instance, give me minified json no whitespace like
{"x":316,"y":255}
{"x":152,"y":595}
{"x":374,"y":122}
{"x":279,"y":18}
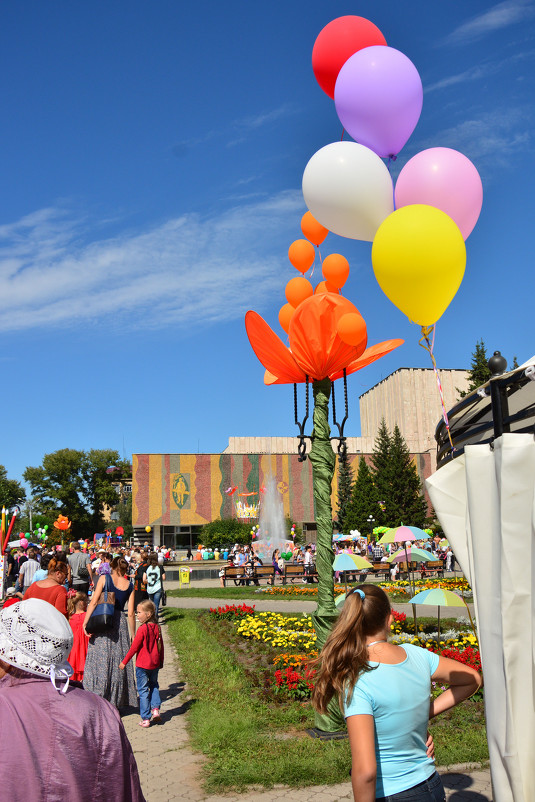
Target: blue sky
{"x":152,"y":157}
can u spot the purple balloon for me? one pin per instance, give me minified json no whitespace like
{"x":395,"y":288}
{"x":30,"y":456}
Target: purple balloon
{"x":378,"y":98}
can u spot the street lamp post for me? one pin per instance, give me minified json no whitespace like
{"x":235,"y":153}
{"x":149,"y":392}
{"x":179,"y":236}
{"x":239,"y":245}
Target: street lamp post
{"x":371,"y":521}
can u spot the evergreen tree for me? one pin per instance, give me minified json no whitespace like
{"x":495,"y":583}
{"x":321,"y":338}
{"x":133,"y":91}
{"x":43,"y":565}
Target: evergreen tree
{"x":345,"y":481}
{"x":382,"y":474}
{"x":479,"y":373}
{"x":363,"y":502}
{"x":405,"y":502}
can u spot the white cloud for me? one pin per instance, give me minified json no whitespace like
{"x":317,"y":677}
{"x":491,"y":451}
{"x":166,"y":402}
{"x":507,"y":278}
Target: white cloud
{"x":186,"y":271}
{"x":493,"y":138}
{"x":500,"y":16}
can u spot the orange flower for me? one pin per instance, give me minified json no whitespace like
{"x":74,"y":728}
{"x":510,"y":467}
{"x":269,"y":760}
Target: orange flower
{"x":316,"y":350}
{"x":62,"y":522}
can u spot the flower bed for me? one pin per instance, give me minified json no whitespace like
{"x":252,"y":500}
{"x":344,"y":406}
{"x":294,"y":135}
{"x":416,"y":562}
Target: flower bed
{"x":295,"y":634}
{"x":231,"y":612}
{"x":279,"y":631}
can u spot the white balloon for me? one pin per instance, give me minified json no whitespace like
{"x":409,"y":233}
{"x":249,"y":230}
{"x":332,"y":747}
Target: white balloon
{"x":348,"y":189}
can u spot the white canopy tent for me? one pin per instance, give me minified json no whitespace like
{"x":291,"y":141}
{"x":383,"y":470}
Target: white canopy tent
{"x":485,"y":501}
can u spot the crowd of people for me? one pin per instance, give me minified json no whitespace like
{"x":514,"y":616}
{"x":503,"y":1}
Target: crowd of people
{"x":75,"y":584}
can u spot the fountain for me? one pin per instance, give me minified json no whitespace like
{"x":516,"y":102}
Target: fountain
{"x":271,"y":529}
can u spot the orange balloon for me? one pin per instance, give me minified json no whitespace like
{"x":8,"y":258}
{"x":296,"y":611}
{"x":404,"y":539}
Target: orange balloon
{"x":332,"y":287}
{"x":297,"y":290}
{"x":326,"y":286}
{"x":351,"y":329}
{"x":285,"y":315}
{"x":335,"y":269}
{"x":301,"y":254}
{"x":313,"y":230}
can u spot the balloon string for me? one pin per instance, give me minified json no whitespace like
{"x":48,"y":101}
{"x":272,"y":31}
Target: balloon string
{"x":428,"y":346}
{"x":392,"y":159}
{"x":342,"y":137}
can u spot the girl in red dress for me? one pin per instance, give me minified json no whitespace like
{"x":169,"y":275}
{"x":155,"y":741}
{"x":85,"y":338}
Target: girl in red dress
{"x":76,"y":608}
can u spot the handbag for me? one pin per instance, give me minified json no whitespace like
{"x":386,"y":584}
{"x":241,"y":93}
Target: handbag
{"x":101,"y":618}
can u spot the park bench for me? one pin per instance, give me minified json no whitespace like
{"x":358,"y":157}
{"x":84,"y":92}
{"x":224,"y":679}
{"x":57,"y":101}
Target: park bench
{"x":435,"y":568}
{"x":293,"y":571}
{"x":382,"y":568}
{"x":238,"y":574}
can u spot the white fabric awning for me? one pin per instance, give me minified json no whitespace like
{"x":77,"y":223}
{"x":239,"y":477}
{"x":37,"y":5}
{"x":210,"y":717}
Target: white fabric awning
{"x":485,"y":501}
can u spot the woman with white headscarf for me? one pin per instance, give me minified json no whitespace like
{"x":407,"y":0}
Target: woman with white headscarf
{"x":68,"y":743}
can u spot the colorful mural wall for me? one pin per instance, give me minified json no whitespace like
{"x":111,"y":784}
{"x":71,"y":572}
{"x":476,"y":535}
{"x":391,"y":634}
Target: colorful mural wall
{"x":189,"y":489}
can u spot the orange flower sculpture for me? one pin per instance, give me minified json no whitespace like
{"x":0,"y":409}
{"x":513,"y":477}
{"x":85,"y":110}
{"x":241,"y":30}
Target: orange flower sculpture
{"x":62,"y":523}
{"x":327,"y":335}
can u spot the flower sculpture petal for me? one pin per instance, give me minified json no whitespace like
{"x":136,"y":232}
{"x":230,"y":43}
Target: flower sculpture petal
{"x":271,"y":351}
{"x":370,"y":355}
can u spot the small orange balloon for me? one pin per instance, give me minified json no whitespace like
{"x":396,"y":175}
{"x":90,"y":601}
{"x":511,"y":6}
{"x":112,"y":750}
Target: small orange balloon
{"x":301,"y":254}
{"x":351,"y":329}
{"x":313,"y":230}
{"x":285,"y":315}
{"x":335,"y":269}
{"x":298,"y":290}
{"x":321,"y":287}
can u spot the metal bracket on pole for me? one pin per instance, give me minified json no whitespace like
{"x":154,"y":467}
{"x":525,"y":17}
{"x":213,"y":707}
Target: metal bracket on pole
{"x":302,"y":447}
{"x":342,"y":445}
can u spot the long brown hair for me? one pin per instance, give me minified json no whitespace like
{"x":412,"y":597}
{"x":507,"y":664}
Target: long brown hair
{"x":345,"y":654}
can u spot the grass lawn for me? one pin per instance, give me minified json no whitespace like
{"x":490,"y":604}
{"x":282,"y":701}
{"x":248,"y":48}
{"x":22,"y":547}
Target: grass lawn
{"x":252,"y":738}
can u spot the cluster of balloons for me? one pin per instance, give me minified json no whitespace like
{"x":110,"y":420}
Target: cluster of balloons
{"x":419,"y":227}
{"x":335,"y":271}
{"x":62,"y":523}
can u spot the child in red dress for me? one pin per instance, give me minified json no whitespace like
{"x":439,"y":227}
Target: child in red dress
{"x":76,"y":610}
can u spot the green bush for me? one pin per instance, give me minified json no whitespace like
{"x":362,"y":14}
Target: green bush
{"x":225,"y":532}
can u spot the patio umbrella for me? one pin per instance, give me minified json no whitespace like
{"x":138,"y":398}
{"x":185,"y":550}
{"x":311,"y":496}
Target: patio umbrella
{"x":349,"y":562}
{"x":438,"y":597}
{"x":411,"y":555}
{"x":400,"y":534}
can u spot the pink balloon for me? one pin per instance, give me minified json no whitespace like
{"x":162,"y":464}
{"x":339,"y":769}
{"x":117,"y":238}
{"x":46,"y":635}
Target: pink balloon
{"x":446,"y":179}
{"x":23,"y":542}
{"x":378,"y":98}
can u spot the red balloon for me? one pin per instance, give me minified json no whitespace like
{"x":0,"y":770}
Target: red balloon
{"x":339,"y":40}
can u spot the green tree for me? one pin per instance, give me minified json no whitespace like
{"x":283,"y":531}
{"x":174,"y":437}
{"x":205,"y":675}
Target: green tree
{"x":225,"y":532}
{"x":479,"y":372}
{"x":405,"y":502}
{"x":363,"y":501}
{"x":382,"y":473}
{"x":76,"y":484}
{"x":345,"y":483}
{"x":124,"y":516}
{"x":11,"y":492}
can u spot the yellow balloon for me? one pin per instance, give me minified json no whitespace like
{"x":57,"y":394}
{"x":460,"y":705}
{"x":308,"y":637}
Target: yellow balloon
{"x":148,"y":529}
{"x":418,"y":258}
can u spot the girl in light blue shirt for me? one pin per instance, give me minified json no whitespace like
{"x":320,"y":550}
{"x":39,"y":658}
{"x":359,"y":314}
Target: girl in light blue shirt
{"x":384,"y":692}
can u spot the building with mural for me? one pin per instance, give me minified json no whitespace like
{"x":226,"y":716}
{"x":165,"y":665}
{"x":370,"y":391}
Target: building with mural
{"x":175,"y":494}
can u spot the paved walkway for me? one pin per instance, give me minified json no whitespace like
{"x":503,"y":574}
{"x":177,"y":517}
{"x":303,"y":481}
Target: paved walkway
{"x":170,"y":770}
